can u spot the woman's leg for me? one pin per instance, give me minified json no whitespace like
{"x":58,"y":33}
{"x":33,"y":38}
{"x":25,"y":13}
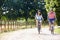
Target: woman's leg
{"x":36,"y":23}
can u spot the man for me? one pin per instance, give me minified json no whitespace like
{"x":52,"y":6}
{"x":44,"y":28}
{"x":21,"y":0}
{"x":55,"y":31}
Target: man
{"x":51,"y":18}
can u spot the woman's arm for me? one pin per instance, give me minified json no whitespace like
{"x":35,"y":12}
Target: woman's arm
{"x":42,"y":18}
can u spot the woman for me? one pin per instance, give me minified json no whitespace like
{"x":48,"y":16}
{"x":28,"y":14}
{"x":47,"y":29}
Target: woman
{"x":39,"y":19}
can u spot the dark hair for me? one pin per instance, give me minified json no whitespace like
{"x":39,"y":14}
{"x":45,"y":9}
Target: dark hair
{"x":38,"y":11}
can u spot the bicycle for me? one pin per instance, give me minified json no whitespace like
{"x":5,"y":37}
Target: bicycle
{"x":52,"y":28}
{"x":39,"y":26}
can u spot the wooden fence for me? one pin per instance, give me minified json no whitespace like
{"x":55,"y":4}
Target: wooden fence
{"x":10,"y":25}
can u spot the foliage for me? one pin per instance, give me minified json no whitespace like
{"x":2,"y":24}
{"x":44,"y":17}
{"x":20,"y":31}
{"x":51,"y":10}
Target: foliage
{"x":55,"y":4}
{"x":57,"y":30}
{"x":3,"y":18}
{"x":50,"y":4}
{"x":21,"y":8}
{"x":58,"y":12}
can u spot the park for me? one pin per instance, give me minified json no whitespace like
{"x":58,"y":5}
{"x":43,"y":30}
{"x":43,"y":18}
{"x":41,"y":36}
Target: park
{"x":17,"y":19}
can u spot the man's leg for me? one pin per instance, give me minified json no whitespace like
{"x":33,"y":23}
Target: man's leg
{"x":52,"y":30}
{"x":49,"y":25}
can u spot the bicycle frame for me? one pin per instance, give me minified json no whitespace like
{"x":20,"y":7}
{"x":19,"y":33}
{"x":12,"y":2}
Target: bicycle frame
{"x":52,"y":29}
{"x":39,"y":27}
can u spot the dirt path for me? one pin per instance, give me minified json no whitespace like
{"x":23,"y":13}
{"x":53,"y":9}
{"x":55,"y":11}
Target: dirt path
{"x":30,"y":34}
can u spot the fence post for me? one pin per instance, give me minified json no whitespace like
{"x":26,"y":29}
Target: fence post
{"x":5,"y":26}
{"x":0,"y":25}
{"x":15,"y":24}
{"x":31,"y":25}
{"x":12,"y":25}
{"x":8,"y":25}
{"x":26,"y":24}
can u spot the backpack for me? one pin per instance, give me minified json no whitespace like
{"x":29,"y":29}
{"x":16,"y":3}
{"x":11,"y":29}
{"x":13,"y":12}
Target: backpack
{"x":51,"y":15}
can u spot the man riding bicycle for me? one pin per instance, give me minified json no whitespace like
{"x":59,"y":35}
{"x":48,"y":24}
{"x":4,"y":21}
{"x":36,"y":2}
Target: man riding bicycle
{"x":51,"y":19}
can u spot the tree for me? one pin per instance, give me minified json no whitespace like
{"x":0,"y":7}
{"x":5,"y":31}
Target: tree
{"x":1,"y":3}
{"x":58,"y":12}
{"x":20,"y":8}
{"x":50,"y":4}
{"x":55,"y":4}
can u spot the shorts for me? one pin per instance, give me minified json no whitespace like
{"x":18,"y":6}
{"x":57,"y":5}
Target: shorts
{"x":51,"y":20}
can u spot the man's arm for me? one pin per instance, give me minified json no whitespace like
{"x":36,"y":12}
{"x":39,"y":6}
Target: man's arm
{"x":42,"y":18}
{"x":47,"y":16}
{"x":55,"y":16}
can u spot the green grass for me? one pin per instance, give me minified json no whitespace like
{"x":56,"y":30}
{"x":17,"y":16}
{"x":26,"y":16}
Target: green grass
{"x":57,"y":30}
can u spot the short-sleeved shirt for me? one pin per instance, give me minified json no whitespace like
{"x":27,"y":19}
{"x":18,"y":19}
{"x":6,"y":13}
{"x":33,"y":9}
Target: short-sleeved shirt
{"x":39,"y":18}
{"x":51,"y":15}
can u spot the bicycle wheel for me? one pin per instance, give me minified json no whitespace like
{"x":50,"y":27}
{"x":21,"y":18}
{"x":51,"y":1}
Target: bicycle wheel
{"x":52,"y":29}
{"x":39,"y":27}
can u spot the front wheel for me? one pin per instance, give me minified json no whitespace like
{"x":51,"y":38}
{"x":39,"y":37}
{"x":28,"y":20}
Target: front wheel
{"x":39,"y":27}
{"x":52,"y":30}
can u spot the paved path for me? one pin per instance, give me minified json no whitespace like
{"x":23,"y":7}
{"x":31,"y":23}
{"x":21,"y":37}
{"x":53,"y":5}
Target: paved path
{"x":29,"y":34}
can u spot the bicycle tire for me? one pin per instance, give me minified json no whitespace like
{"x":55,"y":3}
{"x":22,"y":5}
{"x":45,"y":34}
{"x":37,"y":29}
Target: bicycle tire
{"x":39,"y":27}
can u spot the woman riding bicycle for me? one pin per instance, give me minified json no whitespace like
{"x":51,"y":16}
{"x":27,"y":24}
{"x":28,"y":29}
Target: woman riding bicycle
{"x":38,"y":18}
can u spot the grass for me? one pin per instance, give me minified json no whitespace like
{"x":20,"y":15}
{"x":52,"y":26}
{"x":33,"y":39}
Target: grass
{"x":57,"y":30}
